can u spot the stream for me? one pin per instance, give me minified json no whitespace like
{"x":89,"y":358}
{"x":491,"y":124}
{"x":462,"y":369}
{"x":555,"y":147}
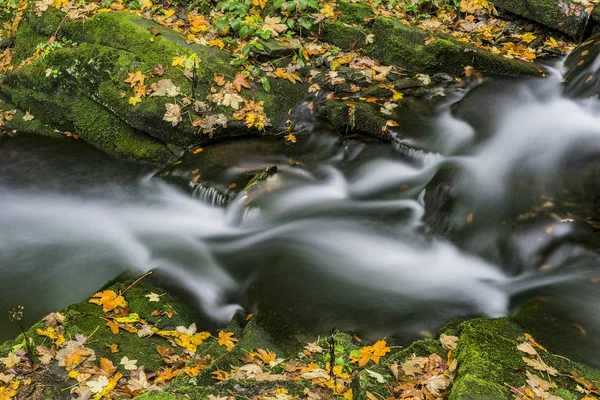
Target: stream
{"x":350,"y":232}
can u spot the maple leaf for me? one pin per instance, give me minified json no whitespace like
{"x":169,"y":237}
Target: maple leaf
{"x":53,"y":319}
{"x":28,"y":116}
{"x":179,"y":61}
{"x":128,"y":364}
{"x":145,"y":331}
{"x":371,"y":353}
{"x":283,"y":74}
{"x":197,"y":22}
{"x":226,"y":339}
{"x":540,"y":365}
{"x":173,"y":114}
{"x":220,"y":375}
{"x":73,"y":354}
{"x":165,"y":87}
{"x":274,"y":25}
{"x":134,"y":100}
{"x":240,"y":81}
{"x":166,"y":375}
{"x":135,"y":78}
{"x":141,"y":383}
{"x":109,"y":300}
{"x":11,"y":360}
{"x":527,"y":348}
{"x":54,"y":334}
{"x":6,"y":378}
{"x":448,"y":342}
{"x":345,"y":59}
{"x":313,"y":348}
{"x":98,"y":385}
{"x":46,"y":355}
{"x":232,"y":100}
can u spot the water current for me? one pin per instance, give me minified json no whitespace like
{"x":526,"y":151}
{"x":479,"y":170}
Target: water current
{"x":491,"y":209}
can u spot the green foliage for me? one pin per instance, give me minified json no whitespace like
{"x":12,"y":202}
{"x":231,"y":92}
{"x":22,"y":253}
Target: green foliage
{"x":421,"y":8}
{"x":47,"y":47}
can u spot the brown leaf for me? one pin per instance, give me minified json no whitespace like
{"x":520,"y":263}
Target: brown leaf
{"x":240,"y":81}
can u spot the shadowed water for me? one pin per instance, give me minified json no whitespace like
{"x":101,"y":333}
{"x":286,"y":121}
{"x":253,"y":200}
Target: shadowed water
{"x":336,"y":238}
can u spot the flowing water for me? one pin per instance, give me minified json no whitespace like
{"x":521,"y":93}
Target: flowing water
{"x":343,"y":235}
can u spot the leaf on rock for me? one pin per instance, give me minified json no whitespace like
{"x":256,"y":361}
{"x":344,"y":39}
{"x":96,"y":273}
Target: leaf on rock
{"x":240,"y":81}
{"x":448,"y":342}
{"x":274,"y":25}
{"x":109,"y":300}
{"x":173,"y":114}
{"x":226,"y":339}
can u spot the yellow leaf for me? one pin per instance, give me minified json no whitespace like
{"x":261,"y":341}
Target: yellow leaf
{"x":134,"y":100}
{"x":528,"y":37}
{"x":114,"y":348}
{"x":220,"y":375}
{"x":179,"y":61}
{"x":341,"y":61}
{"x":290,"y":137}
{"x":260,"y":3}
{"x":226,"y":339}
{"x":397,"y":96}
{"x":109,"y":300}
{"x":283,"y":74}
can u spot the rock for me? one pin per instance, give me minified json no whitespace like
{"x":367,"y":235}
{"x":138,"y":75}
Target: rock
{"x":394,"y":43}
{"x":567,"y":16}
{"x":272,"y":48}
{"x":488,"y":361}
{"x":85,"y":92}
{"x":5,"y":42}
{"x":218,"y":172}
{"x":581,"y":71}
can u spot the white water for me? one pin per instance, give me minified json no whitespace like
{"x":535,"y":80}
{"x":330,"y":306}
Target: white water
{"x":338,"y":241}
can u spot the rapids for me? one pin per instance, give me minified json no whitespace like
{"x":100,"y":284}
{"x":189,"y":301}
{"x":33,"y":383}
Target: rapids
{"x":344,"y":237}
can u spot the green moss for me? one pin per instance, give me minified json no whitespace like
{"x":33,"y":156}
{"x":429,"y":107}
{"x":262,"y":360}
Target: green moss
{"x":366,"y":121}
{"x":26,"y":42}
{"x":342,"y":35}
{"x":398,"y":44}
{"x":354,"y":13}
{"x":550,"y":13}
{"x":487,"y":358}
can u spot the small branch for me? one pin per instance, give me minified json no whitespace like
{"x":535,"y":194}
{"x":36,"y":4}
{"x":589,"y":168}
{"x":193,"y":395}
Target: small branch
{"x":136,"y":281}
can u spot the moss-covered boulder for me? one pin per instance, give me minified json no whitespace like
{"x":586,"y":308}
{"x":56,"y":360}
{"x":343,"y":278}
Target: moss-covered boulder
{"x":567,"y":16}
{"x":264,"y":355}
{"x":395,"y":43}
{"x":71,"y":75}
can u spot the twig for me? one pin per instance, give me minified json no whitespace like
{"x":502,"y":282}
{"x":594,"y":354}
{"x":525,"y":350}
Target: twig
{"x":135,"y":282}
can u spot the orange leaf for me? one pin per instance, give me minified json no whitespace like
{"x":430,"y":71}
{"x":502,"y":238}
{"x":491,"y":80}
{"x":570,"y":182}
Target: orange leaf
{"x":240,"y":81}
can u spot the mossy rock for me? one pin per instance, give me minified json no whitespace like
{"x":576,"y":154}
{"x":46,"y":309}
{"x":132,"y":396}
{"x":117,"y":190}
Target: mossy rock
{"x":398,"y":44}
{"x":567,"y":16}
{"x":78,"y":86}
{"x":489,"y":362}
